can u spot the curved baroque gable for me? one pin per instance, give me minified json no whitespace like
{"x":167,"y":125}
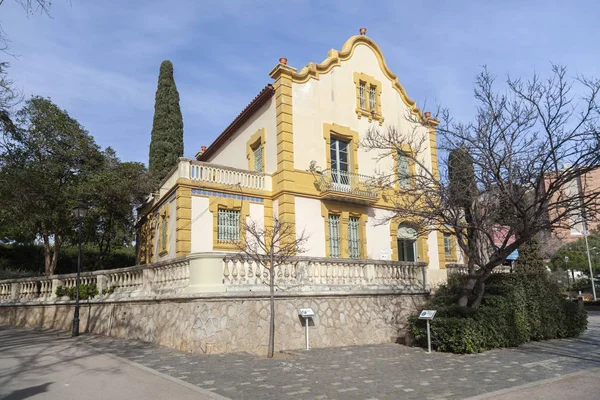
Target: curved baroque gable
{"x":335,"y":58}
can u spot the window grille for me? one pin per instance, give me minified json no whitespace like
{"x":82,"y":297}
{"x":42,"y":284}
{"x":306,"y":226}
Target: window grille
{"x":228,"y":225}
{"x":403,"y":171}
{"x":258,"y":158}
{"x":353,"y":239}
{"x":372,"y":101}
{"x":334,"y":235}
{"x":164,"y":232}
{"x":362,"y":95}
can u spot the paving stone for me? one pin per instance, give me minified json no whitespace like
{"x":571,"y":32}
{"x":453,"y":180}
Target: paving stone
{"x":364,"y":372}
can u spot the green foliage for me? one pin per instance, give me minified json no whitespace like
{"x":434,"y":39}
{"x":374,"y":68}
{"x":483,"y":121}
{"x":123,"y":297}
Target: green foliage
{"x":577,"y":254}
{"x":18,"y":261}
{"x":47,"y":164}
{"x":530,"y":257}
{"x":461,"y":175}
{"x":113,"y":192}
{"x":86,"y":291}
{"x":166,"y":144}
{"x":516,"y":308}
{"x":42,"y":165}
{"x":109,"y":290}
{"x":582,"y":284}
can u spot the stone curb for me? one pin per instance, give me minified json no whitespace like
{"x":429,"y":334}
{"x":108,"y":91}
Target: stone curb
{"x":207,"y":393}
{"x":530,"y":385}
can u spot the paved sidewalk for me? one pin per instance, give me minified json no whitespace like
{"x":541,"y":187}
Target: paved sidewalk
{"x":361,"y":372}
{"x":52,"y":365}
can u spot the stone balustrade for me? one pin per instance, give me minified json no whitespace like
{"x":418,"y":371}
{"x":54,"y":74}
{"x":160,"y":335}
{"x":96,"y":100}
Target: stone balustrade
{"x":213,"y":174}
{"x":307,"y":274}
{"x":206,"y":172}
{"x":226,"y":272}
{"x":165,"y":277}
{"x":463,"y":269}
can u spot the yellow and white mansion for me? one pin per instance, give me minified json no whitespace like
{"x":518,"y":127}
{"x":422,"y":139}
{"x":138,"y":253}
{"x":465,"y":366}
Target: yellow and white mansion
{"x":294,"y":153}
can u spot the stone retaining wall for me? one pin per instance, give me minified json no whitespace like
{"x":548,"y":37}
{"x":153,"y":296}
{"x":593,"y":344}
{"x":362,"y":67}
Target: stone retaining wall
{"x":230,"y":324}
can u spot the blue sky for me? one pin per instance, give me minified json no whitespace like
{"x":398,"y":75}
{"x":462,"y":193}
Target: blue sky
{"x":100,"y":59}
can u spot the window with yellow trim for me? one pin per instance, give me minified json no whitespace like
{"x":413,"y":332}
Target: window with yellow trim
{"x":403,"y":170}
{"x":163,"y":231}
{"x":229,"y":216}
{"x":368,"y":97}
{"x":228,"y":226}
{"x":255,"y":151}
{"x":345,"y":230}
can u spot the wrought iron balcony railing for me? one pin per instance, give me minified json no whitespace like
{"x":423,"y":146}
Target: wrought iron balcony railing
{"x":336,"y":183}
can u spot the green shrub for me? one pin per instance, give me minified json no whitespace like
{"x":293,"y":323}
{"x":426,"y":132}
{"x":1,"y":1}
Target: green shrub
{"x":17,"y":261}
{"x":86,"y":291}
{"x":516,"y":308}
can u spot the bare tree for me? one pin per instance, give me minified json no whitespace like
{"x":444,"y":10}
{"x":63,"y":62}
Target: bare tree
{"x":526,"y":146}
{"x":30,"y":7}
{"x":271,"y":246}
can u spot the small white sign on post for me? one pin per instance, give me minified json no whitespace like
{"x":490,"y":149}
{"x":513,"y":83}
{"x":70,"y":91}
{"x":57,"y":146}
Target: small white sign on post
{"x":306,"y":313}
{"x":428,"y":315}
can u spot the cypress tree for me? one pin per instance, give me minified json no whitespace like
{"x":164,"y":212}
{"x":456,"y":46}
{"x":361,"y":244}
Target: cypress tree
{"x":461,"y":174}
{"x":166,"y":144}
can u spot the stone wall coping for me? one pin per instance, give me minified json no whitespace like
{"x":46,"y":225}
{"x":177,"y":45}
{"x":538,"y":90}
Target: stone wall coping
{"x":239,"y":295}
{"x":237,"y":256}
{"x":214,"y":255}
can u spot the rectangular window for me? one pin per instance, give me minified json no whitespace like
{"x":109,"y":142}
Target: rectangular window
{"x":334,"y":235}
{"x":228,"y":226}
{"x":403,"y":171}
{"x":362,"y":95}
{"x":448,"y":245}
{"x":372,"y":102}
{"x":353,"y":239}
{"x":340,"y":163}
{"x":164,"y":229}
{"x":258,"y":158}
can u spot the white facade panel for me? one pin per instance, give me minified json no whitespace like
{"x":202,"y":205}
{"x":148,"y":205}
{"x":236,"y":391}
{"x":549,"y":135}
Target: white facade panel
{"x":202,"y":225}
{"x":310,"y":221}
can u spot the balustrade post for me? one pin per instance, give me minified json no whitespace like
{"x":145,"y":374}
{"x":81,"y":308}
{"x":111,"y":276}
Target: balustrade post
{"x":206,"y":275}
{"x":184,"y":168}
{"x":101,"y":283}
{"x":147,"y":279}
{"x":424,"y":272}
{"x":56,"y":283}
{"x":15,"y":290}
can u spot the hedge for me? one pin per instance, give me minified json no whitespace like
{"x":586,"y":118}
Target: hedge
{"x":19,"y":261}
{"x":516,"y":308}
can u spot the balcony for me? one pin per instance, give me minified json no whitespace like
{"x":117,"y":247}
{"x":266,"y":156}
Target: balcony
{"x":347,"y":186}
{"x":209,"y":173}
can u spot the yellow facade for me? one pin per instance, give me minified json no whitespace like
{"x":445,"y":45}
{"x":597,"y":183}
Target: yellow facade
{"x":294,"y":120}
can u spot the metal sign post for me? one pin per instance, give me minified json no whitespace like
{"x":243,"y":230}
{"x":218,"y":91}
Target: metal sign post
{"x":306,"y":313}
{"x":428,"y":315}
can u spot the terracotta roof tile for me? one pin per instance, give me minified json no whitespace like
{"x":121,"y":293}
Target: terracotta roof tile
{"x":265,"y":94}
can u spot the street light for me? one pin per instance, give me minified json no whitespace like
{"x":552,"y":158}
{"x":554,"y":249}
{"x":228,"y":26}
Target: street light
{"x":567,"y":271}
{"x":79,"y":211}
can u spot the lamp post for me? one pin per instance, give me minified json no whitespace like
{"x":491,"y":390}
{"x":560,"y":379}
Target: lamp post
{"x":587,"y":249}
{"x":80,"y":211}
{"x":567,"y":271}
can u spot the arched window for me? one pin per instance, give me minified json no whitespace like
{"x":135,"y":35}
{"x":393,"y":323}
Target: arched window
{"x":407,"y":243}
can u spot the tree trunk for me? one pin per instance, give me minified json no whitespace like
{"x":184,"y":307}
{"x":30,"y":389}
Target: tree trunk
{"x":271,"y":350}
{"x":479,"y":291}
{"x":466,"y":290}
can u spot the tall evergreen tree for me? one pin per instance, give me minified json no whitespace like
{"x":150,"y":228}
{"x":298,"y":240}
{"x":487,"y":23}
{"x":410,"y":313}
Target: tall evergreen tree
{"x":166,"y":144}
